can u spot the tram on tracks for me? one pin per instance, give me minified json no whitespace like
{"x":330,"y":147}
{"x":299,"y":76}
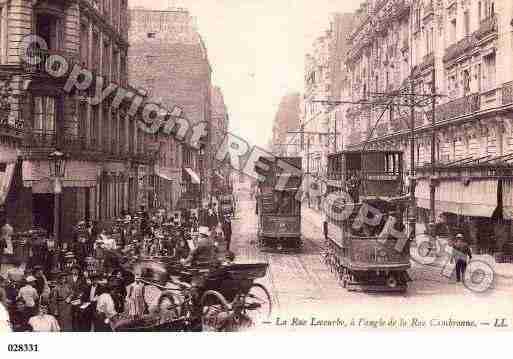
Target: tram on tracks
{"x":371,"y":250}
{"x":279,"y":209}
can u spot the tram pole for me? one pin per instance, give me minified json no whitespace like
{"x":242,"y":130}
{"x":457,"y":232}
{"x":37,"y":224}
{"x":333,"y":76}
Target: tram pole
{"x":412,"y":220}
{"x":308,"y":167}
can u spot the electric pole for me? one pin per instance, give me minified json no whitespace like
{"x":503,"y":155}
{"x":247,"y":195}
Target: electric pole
{"x":308,"y":165}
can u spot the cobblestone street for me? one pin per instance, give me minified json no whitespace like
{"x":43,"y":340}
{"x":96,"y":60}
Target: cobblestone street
{"x":303,"y":287}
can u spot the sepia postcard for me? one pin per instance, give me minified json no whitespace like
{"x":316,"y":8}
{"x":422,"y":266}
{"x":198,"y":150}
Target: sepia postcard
{"x":255,"y":166}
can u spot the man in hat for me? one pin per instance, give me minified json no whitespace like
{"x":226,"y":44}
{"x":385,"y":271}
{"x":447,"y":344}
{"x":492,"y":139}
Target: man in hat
{"x":60,"y":302}
{"x":205,"y":252}
{"x":227,"y":230}
{"x":462,"y":255}
{"x":77,"y":285}
{"x":29,"y":294}
{"x":41,"y":283}
{"x":212,"y":219}
{"x":88,"y":302}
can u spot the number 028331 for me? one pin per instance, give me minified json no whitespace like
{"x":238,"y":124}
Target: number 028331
{"x":22,"y":347}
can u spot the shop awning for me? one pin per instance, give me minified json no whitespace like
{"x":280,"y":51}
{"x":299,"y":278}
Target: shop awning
{"x":193,"y":175}
{"x":5,"y":181}
{"x":478,"y":198}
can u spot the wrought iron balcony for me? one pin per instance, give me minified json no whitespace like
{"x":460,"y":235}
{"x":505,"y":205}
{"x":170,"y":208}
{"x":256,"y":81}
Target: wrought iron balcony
{"x":38,"y":140}
{"x":459,"y":48}
{"x":459,"y":107}
{"x":427,"y":62}
{"x":507,"y":93}
{"x":487,"y":27}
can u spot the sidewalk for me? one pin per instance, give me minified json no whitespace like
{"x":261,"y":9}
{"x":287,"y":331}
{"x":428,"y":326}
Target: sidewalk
{"x":500,"y":269}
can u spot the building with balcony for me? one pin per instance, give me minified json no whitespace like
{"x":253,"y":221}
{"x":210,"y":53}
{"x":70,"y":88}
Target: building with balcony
{"x":168,"y":58}
{"x":285,"y":120}
{"x":106,"y":150}
{"x":221,"y":180}
{"x":461,"y":50}
{"x":320,"y":113}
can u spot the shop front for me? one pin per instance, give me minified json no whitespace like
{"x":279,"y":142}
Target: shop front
{"x":167,"y":188}
{"x":76,"y":200}
{"x":191,"y":195}
{"x":475,"y":202}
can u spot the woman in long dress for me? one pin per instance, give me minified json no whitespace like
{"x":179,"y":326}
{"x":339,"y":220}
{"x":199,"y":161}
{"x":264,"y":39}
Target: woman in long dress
{"x":134,"y":303}
{"x":60,"y":300}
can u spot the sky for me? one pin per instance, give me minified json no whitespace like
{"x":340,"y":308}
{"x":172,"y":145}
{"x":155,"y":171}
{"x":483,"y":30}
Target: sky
{"x":257,"y":49}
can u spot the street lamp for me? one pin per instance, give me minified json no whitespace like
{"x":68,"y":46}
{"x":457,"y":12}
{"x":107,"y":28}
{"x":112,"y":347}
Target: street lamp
{"x":57,"y":163}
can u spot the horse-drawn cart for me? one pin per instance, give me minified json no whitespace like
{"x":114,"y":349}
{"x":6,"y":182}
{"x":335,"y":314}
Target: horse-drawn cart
{"x":222,"y":298}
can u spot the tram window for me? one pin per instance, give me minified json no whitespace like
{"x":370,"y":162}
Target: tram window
{"x":286,"y":203}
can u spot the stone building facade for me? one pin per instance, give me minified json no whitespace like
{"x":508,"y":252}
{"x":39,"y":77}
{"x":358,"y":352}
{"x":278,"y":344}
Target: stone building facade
{"x":108,"y":155}
{"x":287,"y":119}
{"x":321,"y":119}
{"x":168,"y":59}
{"x":461,"y":50}
{"x":221,"y":176}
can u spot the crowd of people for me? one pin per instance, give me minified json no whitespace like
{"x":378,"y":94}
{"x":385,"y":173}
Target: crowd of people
{"x":82,"y":285}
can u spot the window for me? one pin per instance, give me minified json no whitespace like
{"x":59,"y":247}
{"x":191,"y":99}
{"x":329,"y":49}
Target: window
{"x":115,"y":13}
{"x":106,"y":60}
{"x":50,"y":29}
{"x":114,"y":133}
{"x":151,"y":35}
{"x":489,"y":8}
{"x":479,"y":11}
{"x":479,"y":78}
{"x":131,"y":134}
{"x":44,"y":114}
{"x":489,"y":72}
{"x":3,"y":33}
{"x":84,"y":45}
{"x":115,"y":65}
{"x":466,"y":18}
{"x":106,"y":9}
{"x":95,"y":52}
{"x":94,"y":135}
{"x":82,"y":118}
{"x":466,"y":82}
{"x":453,"y":31}
{"x":105,"y":126}
{"x":123,"y":70}
{"x":122,"y":133}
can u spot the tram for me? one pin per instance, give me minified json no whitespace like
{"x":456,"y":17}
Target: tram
{"x":279,"y":209}
{"x":371,"y":250}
